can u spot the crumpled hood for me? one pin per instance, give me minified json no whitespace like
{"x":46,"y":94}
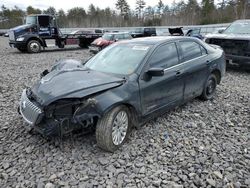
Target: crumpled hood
{"x":229,"y":36}
{"x":69,"y":79}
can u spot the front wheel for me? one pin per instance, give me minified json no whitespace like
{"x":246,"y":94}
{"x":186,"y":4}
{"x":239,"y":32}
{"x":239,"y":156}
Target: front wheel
{"x":209,"y":88}
{"x":34,"y":46}
{"x":113,"y":128}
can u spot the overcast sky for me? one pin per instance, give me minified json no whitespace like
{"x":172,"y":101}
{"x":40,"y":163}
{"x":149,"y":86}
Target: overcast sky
{"x":67,"y":4}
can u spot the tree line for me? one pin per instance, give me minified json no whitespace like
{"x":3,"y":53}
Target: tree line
{"x":178,"y":13}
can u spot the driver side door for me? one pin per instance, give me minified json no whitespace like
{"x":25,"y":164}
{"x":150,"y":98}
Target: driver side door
{"x":164,"y":91}
{"x":44,"y":26}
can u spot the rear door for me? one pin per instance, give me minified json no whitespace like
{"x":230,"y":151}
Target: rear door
{"x":195,"y":60}
{"x":166,"y":90}
{"x":118,"y":37}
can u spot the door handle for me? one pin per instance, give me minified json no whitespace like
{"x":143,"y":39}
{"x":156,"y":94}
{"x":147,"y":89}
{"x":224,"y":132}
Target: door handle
{"x":177,"y":73}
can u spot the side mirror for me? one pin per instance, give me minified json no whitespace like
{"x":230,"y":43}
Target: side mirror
{"x":44,"y":73}
{"x":155,"y":71}
{"x":221,"y":30}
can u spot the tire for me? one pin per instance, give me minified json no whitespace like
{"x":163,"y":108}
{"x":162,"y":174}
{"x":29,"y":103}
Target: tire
{"x":22,"y":49}
{"x":107,"y":134}
{"x":61,"y":44}
{"x":34,"y":46}
{"x":209,"y":88}
{"x":82,"y":45}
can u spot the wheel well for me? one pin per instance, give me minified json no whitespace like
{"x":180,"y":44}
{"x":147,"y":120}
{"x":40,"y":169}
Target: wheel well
{"x":133,"y":112}
{"x":37,"y":39}
{"x":217,"y":74}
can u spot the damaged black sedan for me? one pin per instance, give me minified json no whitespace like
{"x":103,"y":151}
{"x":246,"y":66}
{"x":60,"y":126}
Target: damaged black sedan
{"x":123,"y":86}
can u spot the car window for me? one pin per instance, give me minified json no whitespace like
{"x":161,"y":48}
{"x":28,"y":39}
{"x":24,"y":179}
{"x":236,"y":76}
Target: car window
{"x":115,"y":58}
{"x":107,"y":36}
{"x":165,"y":56}
{"x":127,"y":36}
{"x":119,"y":36}
{"x":203,"y":50}
{"x":190,"y":50}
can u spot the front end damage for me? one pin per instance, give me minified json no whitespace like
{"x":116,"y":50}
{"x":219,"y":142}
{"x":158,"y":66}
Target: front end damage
{"x":236,"y":48}
{"x":60,"y":117}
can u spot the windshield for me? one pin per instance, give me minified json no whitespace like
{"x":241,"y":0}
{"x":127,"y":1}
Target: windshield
{"x":115,"y":59}
{"x":31,"y":20}
{"x":138,"y":30}
{"x":107,"y":36}
{"x":238,"y":28}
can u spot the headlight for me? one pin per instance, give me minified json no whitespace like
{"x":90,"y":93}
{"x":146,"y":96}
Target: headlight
{"x":20,"y":39}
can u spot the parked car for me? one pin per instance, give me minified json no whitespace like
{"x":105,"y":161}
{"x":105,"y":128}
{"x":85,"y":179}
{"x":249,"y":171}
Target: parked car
{"x":178,"y":31}
{"x":124,"y":85}
{"x":6,"y":34}
{"x":144,"y":32}
{"x":235,"y":41}
{"x":107,"y":39}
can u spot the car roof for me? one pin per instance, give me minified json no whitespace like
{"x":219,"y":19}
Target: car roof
{"x":243,"y":20}
{"x":155,"y":40}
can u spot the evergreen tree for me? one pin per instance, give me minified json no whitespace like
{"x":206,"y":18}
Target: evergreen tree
{"x":50,"y":10}
{"x":140,"y":5}
{"x":32,"y":10}
{"x":207,"y":12}
{"x":123,"y":7}
{"x":160,"y":7}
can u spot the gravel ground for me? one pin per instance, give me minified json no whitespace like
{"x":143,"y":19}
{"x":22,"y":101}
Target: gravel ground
{"x":200,"y":144}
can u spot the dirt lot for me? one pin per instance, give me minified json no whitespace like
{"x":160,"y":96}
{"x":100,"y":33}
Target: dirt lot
{"x":200,"y":144}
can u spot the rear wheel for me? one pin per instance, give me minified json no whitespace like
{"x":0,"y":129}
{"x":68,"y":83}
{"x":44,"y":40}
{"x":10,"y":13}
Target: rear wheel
{"x":83,"y":45}
{"x":83,"y":42}
{"x":209,"y":88}
{"x":61,"y":44}
{"x":34,"y":46}
{"x":113,"y":128}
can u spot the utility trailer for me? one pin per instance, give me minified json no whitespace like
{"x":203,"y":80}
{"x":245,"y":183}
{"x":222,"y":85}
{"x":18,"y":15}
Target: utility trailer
{"x":32,"y":36}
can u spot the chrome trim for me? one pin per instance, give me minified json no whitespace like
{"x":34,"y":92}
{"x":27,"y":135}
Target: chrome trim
{"x":29,"y":110}
{"x":184,"y":62}
{"x":11,"y":35}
